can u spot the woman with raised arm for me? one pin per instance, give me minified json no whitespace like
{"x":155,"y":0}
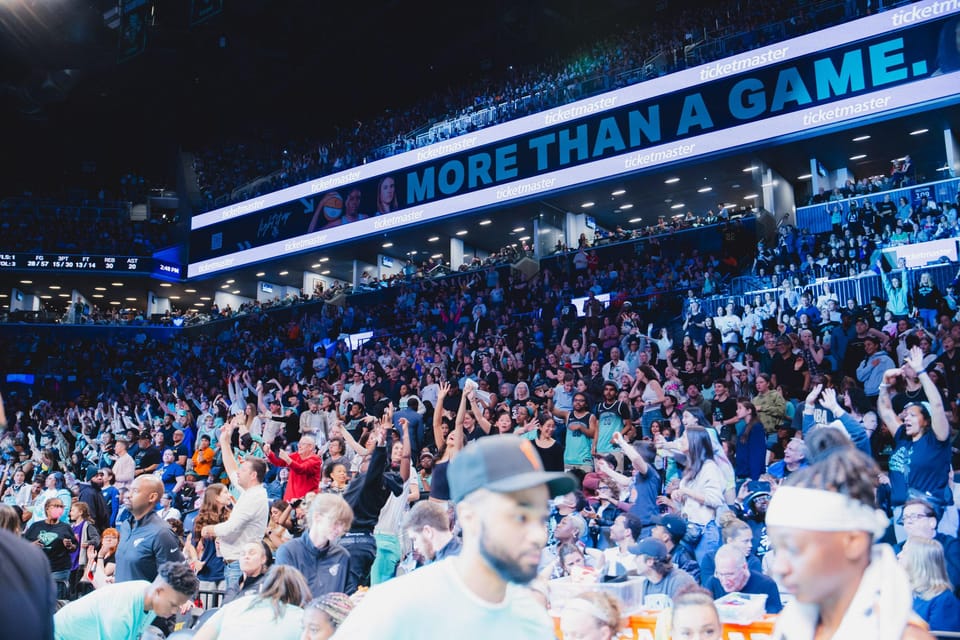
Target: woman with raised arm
{"x":921,"y":456}
{"x":701,"y":489}
{"x":449,"y":445}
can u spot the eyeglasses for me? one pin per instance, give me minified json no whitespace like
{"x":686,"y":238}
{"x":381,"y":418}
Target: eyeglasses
{"x":914,"y":517}
{"x":729,"y":576}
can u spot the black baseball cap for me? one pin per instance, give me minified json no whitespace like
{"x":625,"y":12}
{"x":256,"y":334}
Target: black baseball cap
{"x":503,"y":463}
{"x":650,"y":547}
{"x":675,"y":525}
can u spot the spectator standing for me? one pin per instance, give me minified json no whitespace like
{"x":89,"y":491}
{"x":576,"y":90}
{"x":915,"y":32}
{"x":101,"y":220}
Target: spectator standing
{"x":203,"y":457}
{"x":897,"y":295}
{"x":613,"y":415}
{"x":124,"y":467}
{"x":250,"y":515}
{"x":750,"y":460}
{"x":57,"y":540}
{"x":872,"y":368}
{"x":700,"y":492}
{"x":92,"y":495}
{"x":306,"y":468}
{"x":581,"y":425}
{"x":317,"y":553}
{"x":922,"y":453}
{"x":146,"y":541}
{"x":366,"y":494}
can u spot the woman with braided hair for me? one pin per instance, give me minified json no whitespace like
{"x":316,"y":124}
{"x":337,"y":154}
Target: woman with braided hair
{"x":823,"y":522}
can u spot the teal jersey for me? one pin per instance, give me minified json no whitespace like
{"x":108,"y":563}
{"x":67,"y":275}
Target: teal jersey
{"x":578,"y":446}
{"x":611,"y":419}
{"x":112,"y":612}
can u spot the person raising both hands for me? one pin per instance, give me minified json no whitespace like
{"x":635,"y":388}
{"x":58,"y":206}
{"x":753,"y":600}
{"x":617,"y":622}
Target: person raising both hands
{"x":921,"y":457}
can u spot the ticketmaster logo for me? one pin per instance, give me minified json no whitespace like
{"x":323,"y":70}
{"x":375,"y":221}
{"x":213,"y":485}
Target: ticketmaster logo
{"x":917,"y":13}
{"x":401,"y":218}
{"x":304,"y":243}
{"x":444,"y":148}
{"x":515,"y":191}
{"x":336,"y":181}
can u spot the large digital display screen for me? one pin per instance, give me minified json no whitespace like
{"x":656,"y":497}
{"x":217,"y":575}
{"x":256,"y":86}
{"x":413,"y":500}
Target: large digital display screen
{"x":869,"y":68}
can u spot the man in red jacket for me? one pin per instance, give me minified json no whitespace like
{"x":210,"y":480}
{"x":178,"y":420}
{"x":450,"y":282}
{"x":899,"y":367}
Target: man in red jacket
{"x":305,"y":466}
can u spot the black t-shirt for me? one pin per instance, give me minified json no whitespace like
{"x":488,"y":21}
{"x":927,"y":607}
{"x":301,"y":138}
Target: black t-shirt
{"x":179,"y":450}
{"x":724,"y":410}
{"x":50,"y":538}
{"x":788,"y":376}
{"x":853,"y":356}
{"x":147,"y":457}
{"x":552,"y":457}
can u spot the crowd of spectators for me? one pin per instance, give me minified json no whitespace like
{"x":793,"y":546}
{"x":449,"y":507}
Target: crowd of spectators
{"x":902,"y":173}
{"x":244,"y":168}
{"x":700,"y":419}
{"x":270,"y":462}
{"x":84,"y":226}
{"x":861,"y":229}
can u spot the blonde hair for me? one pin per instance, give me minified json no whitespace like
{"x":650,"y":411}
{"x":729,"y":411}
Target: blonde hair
{"x":332,"y":505}
{"x":603,"y":606}
{"x":731,"y":525}
{"x":924,"y":562}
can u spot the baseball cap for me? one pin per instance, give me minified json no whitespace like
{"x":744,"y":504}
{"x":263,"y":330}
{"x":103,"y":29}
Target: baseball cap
{"x":503,"y":463}
{"x":675,"y":525}
{"x":145,"y":435}
{"x":651,"y":548}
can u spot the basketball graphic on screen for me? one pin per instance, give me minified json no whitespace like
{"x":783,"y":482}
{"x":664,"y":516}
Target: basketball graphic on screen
{"x":332,"y":206}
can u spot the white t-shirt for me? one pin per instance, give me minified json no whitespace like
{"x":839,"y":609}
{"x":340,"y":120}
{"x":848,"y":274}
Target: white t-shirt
{"x":238,"y":619}
{"x":405,"y":608}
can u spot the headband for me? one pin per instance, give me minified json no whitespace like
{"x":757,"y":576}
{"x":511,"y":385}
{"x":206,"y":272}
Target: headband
{"x":585,"y":606}
{"x":820,"y":510}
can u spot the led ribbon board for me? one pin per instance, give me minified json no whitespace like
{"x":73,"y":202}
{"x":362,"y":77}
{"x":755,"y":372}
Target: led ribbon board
{"x":876,"y":66}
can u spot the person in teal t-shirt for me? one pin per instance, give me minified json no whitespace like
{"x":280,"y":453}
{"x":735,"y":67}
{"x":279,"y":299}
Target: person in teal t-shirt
{"x":124,"y":609}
